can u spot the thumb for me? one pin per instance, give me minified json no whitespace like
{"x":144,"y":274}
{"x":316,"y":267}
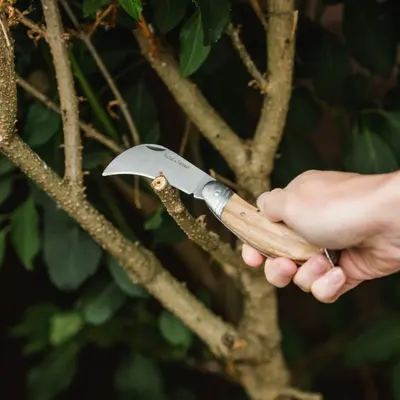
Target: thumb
{"x":273,"y":204}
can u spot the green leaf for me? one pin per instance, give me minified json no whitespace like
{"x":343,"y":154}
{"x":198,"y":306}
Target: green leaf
{"x":378,"y":343}
{"x":41,"y":125}
{"x":174,"y":331}
{"x":91,"y":6}
{"x":6,"y":186}
{"x":369,"y":30}
{"x":93,"y":160}
{"x":70,"y":253}
{"x":214,"y":17}
{"x":168,"y":13}
{"x":54,"y":374}
{"x":330,"y":66}
{"x":155,"y":221}
{"x":25,"y":232}
{"x":132,"y":7}
{"x":6,"y":166}
{"x":390,"y":130}
{"x":101,"y":302}
{"x":144,"y":111}
{"x":396,"y":380}
{"x":367,"y":153}
{"x":141,"y":376}
{"x":35,"y":327}
{"x":193,"y":52}
{"x":64,"y":326}
{"x":122,"y":280}
{"x":168,"y":232}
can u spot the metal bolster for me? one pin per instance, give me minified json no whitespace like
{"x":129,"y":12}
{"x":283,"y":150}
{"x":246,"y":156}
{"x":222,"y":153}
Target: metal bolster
{"x":217,"y":196}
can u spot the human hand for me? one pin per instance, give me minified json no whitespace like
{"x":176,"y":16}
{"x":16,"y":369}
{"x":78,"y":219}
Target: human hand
{"x":335,"y":210}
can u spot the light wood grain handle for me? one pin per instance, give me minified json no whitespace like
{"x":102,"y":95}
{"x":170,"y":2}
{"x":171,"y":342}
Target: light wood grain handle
{"x":246,"y":222}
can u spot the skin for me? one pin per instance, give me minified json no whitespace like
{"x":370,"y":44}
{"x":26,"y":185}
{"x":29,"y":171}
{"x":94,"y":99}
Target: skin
{"x":355,"y":213}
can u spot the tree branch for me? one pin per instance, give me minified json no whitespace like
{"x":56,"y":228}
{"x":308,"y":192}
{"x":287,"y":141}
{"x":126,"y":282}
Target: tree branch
{"x":194,"y":104}
{"x":259,"y":81}
{"x":255,"y":4}
{"x":281,"y":38}
{"x":140,"y":264}
{"x":121,"y":102}
{"x":66,"y":88}
{"x":8,"y":92}
{"x":195,"y":229}
{"x":90,"y":132}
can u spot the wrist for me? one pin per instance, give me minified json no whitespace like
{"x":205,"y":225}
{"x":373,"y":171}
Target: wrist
{"x":389,"y":202}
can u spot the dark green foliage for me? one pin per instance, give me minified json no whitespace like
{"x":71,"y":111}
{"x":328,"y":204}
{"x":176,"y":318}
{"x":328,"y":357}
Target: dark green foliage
{"x":330,"y":66}
{"x":80,"y":306}
{"x":90,"y":7}
{"x":139,"y":377}
{"x":71,"y":255}
{"x":42,"y":124}
{"x":132,"y":7}
{"x":144,"y":111}
{"x":377,"y":344}
{"x":193,"y":51}
{"x":367,"y":153}
{"x":174,"y":331}
{"x":369,"y":31}
{"x":214,"y":18}
{"x":168,"y":13}
{"x":25,"y":232}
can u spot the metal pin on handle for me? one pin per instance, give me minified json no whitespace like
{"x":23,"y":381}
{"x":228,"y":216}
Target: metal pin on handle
{"x":332,"y":256}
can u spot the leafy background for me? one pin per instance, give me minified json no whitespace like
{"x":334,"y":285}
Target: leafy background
{"x":72,"y":323}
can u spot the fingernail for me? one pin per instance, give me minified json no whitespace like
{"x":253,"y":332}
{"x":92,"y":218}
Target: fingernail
{"x":335,"y":276}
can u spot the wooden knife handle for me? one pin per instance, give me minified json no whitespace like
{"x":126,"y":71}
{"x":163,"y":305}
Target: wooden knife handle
{"x":247,"y":223}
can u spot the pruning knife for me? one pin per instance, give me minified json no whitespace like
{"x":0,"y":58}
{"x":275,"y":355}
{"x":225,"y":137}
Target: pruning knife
{"x":244,"y":220}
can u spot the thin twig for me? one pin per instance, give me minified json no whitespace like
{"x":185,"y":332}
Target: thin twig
{"x":225,"y":181}
{"x":195,"y":105}
{"x":30,"y":24}
{"x":185,"y":137}
{"x":259,"y":12}
{"x":119,"y":99}
{"x":90,"y":132}
{"x":259,"y":81}
{"x":195,"y":229}
{"x":189,"y":253}
{"x":3,"y":28}
{"x":66,"y":88}
{"x":282,"y":18}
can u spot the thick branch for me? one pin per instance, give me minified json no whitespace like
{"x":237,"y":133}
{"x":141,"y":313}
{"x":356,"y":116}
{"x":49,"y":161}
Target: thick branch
{"x":8,"y":92}
{"x":90,"y":132}
{"x":66,"y":88}
{"x":195,"y":229}
{"x":281,"y":38}
{"x":121,"y":102}
{"x":259,"y":81}
{"x":141,"y":265}
{"x":192,"y":101}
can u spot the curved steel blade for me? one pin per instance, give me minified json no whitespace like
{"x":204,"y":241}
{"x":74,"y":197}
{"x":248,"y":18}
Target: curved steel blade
{"x":151,"y":160}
